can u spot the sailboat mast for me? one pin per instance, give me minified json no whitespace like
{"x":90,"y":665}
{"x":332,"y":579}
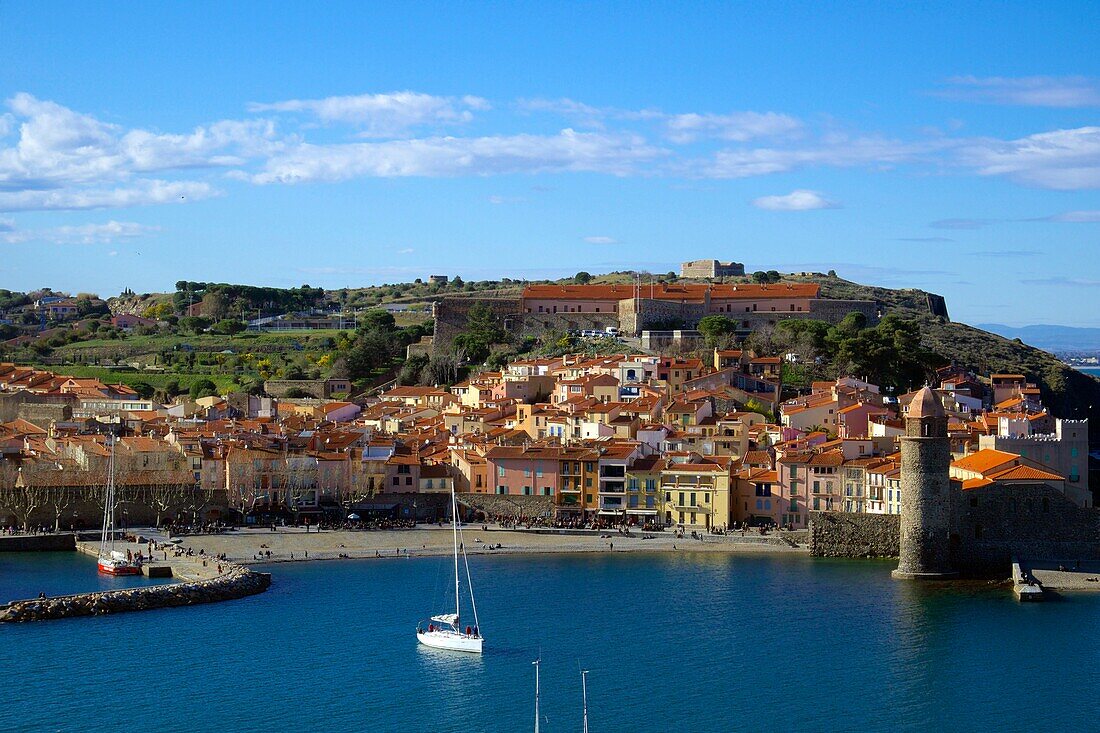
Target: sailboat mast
{"x":584,"y":697}
{"x":536,"y":663}
{"x":454,"y":525}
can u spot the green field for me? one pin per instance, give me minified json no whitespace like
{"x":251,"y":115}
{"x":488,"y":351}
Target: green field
{"x":154,"y":379}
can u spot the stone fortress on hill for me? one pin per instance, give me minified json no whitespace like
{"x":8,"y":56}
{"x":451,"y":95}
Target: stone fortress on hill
{"x":635,"y":308}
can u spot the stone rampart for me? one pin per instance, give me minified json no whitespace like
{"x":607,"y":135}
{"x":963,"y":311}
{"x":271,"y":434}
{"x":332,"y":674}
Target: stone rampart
{"x":534,"y":324}
{"x":833,"y":311}
{"x":38,"y":543}
{"x":237,"y":582}
{"x":451,"y":314}
{"x":840,"y":534}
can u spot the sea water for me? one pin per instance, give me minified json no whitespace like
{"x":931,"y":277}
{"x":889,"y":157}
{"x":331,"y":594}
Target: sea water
{"x":673,"y":642}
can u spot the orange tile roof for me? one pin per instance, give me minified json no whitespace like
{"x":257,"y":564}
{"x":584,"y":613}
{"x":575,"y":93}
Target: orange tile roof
{"x":668,"y":291}
{"x":985,"y":460}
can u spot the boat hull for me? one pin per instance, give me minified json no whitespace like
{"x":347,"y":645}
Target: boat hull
{"x":450,"y":641}
{"x":111,"y":568}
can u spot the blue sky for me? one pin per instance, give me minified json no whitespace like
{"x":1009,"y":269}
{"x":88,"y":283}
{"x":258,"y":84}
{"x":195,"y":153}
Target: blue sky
{"x":927,"y":145}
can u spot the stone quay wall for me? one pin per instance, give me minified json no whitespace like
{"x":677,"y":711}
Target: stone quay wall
{"x":840,"y":534}
{"x":507,"y":505}
{"x":237,"y":582}
{"x":38,"y":543}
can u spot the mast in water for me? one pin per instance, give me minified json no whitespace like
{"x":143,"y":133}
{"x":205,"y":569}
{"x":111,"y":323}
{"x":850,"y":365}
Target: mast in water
{"x":536,"y":663}
{"x":584,"y":697}
{"x":454,"y":526}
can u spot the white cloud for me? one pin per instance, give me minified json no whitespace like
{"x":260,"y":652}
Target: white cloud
{"x":384,"y":115}
{"x":601,"y":240}
{"x":1029,"y":91}
{"x":737,"y":126}
{"x":142,"y":192}
{"x":65,"y":159}
{"x":833,"y":151}
{"x":111,"y":231}
{"x":498,"y":200}
{"x":1060,"y":159}
{"x":569,"y":151}
{"x":1077,"y":217}
{"x":7,"y":225}
{"x":797,"y":200}
{"x":406,"y":251}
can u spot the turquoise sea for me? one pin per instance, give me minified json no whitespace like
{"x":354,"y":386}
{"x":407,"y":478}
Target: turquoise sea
{"x":692,"y":642}
{"x":1095,"y":371}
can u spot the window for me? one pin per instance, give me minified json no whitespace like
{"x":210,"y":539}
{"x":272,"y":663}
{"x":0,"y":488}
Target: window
{"x":693,"y":502}
{"x":538,"y":472}
{"x":526,"y":490}
{"x":527,"y":473}
{"x":760,"y":504}
{"x":408,"y":480}
{"x":502,"y":490}
{"x":396,"y":481}
{"x":500,"y":471}
{"x":681,"y":498}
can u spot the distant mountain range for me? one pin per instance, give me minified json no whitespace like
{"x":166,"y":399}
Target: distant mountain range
{"x":1049,"y":337}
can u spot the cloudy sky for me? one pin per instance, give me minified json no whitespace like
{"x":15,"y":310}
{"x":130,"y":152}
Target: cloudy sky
{"x":951,"y":149}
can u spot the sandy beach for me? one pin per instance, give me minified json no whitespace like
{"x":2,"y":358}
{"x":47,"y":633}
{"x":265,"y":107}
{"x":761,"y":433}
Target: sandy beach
{"x":289,"y":544}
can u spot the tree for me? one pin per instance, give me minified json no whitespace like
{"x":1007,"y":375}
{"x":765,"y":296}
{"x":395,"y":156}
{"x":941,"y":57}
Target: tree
{"x":377,"y":319}
{"x":203,"y":388}
{"x":215,"y":305}
{"x":482,"y":331}
{"x":194,"y":324}
{"x":228,"y":327}
{"x":714,"y":328}
{"x":582,"y":278}
{"x":144,"y":390}
{"x":372,"y":350}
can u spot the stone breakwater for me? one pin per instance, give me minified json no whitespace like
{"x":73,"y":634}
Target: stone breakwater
{"x":235,"y":582}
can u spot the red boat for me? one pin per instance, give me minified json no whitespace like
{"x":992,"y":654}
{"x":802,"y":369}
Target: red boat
{"x":118,"y":564}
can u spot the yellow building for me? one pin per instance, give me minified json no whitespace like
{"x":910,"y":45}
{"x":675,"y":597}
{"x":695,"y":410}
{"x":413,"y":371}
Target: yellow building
{"x":697,"y":492}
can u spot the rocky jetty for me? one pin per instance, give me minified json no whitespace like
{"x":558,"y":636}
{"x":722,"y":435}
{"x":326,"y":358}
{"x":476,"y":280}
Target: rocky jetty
{"x":235,"y":582}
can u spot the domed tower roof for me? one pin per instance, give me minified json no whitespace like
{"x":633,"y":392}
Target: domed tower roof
{"x":926,"y":404}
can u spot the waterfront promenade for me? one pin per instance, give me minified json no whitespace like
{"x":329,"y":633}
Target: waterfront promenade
{"x":292,"y":544}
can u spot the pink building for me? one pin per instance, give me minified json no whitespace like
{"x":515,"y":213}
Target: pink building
{"x":523,"y":470}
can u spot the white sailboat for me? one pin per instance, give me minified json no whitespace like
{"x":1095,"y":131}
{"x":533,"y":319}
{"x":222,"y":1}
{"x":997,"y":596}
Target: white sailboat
{"x":112,"y":561}
{"x":445,"y":630}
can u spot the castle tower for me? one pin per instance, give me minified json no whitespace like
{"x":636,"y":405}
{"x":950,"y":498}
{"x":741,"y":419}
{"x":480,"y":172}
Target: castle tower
{"x":925,"y":491}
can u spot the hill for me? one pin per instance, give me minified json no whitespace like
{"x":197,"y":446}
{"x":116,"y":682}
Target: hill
{"x":1066,"y":391}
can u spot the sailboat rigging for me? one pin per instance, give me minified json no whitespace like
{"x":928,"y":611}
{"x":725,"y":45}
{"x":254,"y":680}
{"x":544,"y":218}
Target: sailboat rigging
{"x":445,"y":630}
{"x":112,"y":561}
